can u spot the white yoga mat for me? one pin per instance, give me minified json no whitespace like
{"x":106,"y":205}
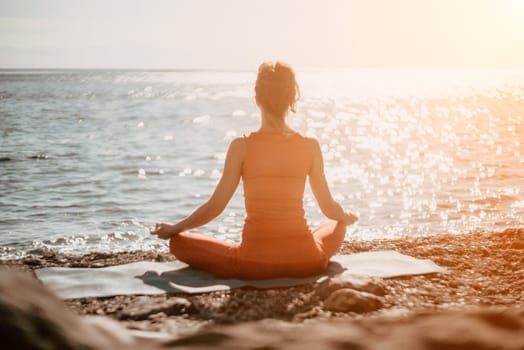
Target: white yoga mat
{"x":146,"y":278}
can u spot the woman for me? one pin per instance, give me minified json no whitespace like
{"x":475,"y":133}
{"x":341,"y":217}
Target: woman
{"x":273,"y":162}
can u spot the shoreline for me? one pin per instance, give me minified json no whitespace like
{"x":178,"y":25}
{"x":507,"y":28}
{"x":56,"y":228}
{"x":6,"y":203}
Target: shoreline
{"x":486,"y":271}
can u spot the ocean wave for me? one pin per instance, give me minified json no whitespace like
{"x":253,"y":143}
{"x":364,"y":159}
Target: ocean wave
{"x":82,"y":244}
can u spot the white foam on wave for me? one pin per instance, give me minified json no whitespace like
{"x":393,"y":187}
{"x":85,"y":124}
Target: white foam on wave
{"x":84,"y":244}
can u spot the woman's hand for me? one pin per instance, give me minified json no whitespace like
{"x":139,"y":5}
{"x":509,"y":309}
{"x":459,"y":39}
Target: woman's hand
{"x":349,"y":218}
{"x":164,"y":230}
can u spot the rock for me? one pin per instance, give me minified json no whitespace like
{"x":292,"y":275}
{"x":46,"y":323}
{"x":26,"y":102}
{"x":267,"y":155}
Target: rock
{"x":456,"y":283}
{"x":481,"y":330}
{"x":33,"y":318}
{"x":349,"y":300}
{"x":40,"y":155}
{"x":517,"y":244}
{"x":367,"y":284}
{"x":78,"y":264}
{"x":102,"y":255}
{"x":142,"y":307}
{"x":33,"y":261}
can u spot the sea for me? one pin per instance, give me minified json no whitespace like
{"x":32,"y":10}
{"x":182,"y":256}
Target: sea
{"x":91,"y":159}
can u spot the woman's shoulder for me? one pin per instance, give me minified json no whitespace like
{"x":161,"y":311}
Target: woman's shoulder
{"x":312,"y":141}
{"x":237,"y":147}
{"x":238,"y":142}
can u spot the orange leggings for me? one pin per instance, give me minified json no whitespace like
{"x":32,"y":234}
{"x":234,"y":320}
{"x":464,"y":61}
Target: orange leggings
{"x":222,"y":259}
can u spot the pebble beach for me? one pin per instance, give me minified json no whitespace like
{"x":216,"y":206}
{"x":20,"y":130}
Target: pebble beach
{"x":486,"y":277}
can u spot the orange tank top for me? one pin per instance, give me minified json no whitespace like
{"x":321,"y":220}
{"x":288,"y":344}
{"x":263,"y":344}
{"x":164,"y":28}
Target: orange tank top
{"x":274,"y":174}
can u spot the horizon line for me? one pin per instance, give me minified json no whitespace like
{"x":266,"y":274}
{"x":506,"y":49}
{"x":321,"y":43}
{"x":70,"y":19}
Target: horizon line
{"x":306,"y":69}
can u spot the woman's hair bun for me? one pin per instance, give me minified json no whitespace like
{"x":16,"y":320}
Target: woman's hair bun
{"x":276,"y":88}
{"x":284,"y":70}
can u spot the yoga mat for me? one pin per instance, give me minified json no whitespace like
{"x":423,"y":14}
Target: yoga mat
{"x":147,"y":278}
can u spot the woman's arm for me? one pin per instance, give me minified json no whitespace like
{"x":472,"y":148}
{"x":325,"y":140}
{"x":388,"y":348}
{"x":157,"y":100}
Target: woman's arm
{"x":217,"y":202}
{"x":320,"y":188}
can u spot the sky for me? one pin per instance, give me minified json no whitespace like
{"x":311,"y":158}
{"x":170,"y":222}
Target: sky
{"x":239,"y":34}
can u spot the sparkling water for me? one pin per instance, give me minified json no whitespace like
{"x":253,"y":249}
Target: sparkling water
{"x":90,"y":159}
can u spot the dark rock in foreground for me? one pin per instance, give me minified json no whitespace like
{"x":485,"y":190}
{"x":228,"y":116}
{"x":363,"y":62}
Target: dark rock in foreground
{"x":33,"y":318}
{"x":480,"y":330}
